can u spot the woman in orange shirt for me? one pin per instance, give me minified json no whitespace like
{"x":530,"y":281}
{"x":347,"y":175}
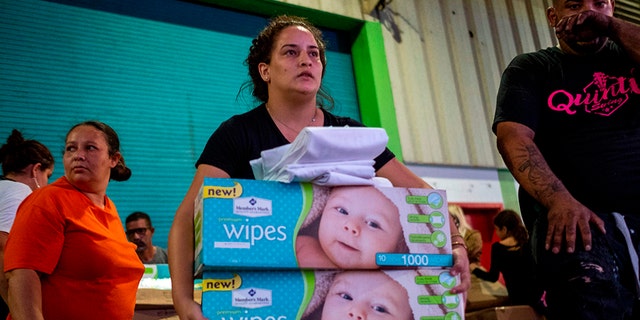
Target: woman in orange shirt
{"x":67,"y":256}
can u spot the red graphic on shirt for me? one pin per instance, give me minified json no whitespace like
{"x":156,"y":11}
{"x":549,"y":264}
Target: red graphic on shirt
{"x":602,"y":96}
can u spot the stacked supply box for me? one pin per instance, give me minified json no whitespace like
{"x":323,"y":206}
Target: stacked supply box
{"x":421,"y":294}
{"x":271,"y":239}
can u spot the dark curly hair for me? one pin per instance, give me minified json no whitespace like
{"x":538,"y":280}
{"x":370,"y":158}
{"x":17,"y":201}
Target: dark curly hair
{"x":137,"y":215}
{"x":260,"y":51}
{"x":120,"y":172}
{"x":19,"y":153}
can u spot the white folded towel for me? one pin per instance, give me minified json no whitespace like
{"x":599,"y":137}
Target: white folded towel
{"x":330,"y":173}
{"x":324,"y":155}
{"x":331,"y":144}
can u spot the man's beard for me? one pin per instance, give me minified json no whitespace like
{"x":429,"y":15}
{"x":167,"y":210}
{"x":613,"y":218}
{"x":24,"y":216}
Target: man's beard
{"x":587,"y":47}
{"x":141,"y":246}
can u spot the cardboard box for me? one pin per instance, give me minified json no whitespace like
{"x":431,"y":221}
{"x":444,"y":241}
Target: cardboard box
{"x":156,"y":304}
{"x":156,"y":271}
{"x":265,"y":224}
{"x":485,"y":294}
{"x":313,"y":294}
{"x":506,"y":313}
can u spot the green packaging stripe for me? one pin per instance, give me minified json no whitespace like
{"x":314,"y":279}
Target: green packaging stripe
{"x":427,"y":280}
{"x":450,"y":301}
{"x":417,"y":200}
{"x":444,"y":279}
{"x":448,"y":316}
{"x":418,"y":218}
{"x":435,"y":218}
{"x":419,"y":238}
{"x":429,"y":299}
{"x":437,"y":238}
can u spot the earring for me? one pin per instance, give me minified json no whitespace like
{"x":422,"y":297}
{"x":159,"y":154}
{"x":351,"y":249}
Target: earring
{"x":36,"y":181}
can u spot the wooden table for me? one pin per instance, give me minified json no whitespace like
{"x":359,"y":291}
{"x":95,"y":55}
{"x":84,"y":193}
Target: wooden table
{"x":155,"y":304}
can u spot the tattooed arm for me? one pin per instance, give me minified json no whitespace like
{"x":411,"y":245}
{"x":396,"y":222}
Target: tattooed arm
{"x":566,"y":215}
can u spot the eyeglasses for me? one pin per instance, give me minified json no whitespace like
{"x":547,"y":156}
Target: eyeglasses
{"x":138,"y":231}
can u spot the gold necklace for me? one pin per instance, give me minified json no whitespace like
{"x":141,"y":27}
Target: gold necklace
{"x":313,"y":119}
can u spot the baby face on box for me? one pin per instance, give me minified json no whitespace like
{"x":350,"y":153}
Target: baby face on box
{"x":366,"y":295}
{"x":356,"y":223}
{"x":384,"y":294}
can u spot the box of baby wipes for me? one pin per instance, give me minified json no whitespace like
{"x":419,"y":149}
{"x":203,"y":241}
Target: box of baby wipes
{"x":266,"y":224}
{"x":422,"y":293}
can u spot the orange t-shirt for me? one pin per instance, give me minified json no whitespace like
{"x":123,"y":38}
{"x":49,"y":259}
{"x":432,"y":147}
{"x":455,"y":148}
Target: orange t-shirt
{"x":90,"y":270}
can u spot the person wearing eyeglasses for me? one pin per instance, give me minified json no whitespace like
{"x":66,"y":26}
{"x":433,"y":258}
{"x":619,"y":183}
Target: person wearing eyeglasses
{"x":140,"y":231}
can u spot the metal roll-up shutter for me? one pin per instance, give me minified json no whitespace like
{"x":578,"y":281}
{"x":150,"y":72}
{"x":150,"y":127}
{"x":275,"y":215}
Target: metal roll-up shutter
{"x":162,"y":73}
{"x":628,"y":10}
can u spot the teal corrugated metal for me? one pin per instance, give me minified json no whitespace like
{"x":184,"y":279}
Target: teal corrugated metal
{"x":164,"y":87}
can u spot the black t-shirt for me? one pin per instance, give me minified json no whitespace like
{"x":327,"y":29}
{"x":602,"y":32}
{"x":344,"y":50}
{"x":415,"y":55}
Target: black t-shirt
{"x":585,"y":112}
{"x":241,"y":138}
{"x":516,"y":266}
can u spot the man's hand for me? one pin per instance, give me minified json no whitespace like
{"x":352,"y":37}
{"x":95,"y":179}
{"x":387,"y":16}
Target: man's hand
{"x":584,"y":26}
{"x":566,"y":218}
